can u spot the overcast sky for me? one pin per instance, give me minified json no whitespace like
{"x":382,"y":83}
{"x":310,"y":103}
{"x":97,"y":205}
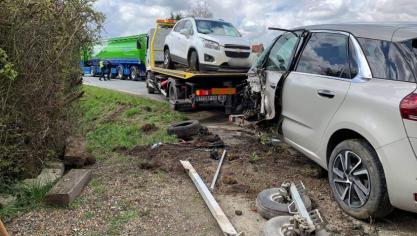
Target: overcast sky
{"x":252,"y":17}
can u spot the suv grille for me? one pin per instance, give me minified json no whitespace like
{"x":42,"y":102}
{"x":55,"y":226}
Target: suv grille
{"x":234,"y":46}
{"x":237,"y":54}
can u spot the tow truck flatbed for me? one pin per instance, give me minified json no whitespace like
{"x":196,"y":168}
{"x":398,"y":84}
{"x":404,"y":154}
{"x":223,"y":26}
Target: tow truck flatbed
{"x":183,"y":74}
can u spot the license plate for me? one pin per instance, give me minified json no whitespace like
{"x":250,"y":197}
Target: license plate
{"x":211,"y":98}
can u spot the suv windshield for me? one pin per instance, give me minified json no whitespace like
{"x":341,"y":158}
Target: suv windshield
{"x":216,"y":28}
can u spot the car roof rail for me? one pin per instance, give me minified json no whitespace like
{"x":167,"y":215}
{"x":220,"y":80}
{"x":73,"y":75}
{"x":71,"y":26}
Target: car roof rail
{"x":290,"y":31}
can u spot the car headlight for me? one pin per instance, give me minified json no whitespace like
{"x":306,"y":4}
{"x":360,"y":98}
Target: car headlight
{"x":211,"y":44}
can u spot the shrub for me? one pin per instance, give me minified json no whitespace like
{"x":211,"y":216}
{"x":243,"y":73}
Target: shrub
{"x":40,"y":78}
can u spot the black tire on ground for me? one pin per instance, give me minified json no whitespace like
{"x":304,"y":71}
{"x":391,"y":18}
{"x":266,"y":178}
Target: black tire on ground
{"x":149,"y":78}
{"x":273,"y":226}
{"x":271,"y":203}
{"x":193,"y":61}
{"x":119,"y":71}
{"x":364,"y":180}
{"x":134,"y":73}
{"x":184,"y":129}
{"x":168,"y":64}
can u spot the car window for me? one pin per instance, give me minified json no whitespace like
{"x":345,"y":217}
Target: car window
{"x":216,"y":28}
{"x":325,"y":54}
{"x":179,"y":26}
{"x":353,"y":61}
{"x":280,"y":55}
{"x":386,"y":60}
{"x":189,"y":26}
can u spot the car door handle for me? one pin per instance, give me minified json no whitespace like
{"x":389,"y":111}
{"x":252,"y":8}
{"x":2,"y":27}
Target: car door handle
{"x":325,"y":93}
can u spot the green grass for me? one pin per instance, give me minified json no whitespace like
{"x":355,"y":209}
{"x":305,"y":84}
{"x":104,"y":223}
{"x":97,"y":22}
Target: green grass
{"x":121,"y":219}
{"x":28,"y":198}
{"x":113,"y":120}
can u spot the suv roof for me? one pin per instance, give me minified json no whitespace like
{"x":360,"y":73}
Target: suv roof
{"x":383,"y":31}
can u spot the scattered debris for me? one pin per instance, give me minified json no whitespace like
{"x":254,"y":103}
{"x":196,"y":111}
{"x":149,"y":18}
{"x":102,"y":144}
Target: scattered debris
{"x":69,"y":187}
{"x":184,"y":129}
{"x":238,"y":212}
{"x":76,"y":154}
{"x":214,"y":155}
{"x":212,"y":204}
{"x":229,"y":180}
{"x":149,"y":128}
{"x":217,"y":171}
{"x":155,"y":145}
{"x":6,"y":200}
{"x":147,"y":108}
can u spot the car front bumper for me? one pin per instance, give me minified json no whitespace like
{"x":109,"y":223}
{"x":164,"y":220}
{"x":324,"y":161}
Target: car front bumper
{"x":221,"y":62}
{"x":400,"y":168}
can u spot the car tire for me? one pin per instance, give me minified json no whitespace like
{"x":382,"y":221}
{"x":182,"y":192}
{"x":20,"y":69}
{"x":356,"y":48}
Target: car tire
{"x":134,"y":73}
{"x":184,"y":129}
{"x":273,"y":226}
{"x":271,"y":202}
{"x":119,"y":71}
{"x":193,"y":61}
{"x":150,"y":89}
{"x":168,"y":64}
{"x":360,"y":189}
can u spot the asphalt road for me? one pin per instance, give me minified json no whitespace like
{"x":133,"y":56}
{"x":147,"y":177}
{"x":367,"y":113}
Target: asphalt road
{"x":127,"y":86}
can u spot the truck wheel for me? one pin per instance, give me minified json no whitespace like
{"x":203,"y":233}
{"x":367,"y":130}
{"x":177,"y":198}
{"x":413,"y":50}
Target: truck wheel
{"x":150,"y":89}
{"x":173,"y":95}
{"x":120,"y":73}
{"x":193,"y":61}
{"x":134,"y":73}
{"x":168,"y":64}
{"x":357,"y":180}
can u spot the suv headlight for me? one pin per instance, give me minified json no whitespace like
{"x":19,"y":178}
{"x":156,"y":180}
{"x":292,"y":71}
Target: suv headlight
{"x":211,"y":44}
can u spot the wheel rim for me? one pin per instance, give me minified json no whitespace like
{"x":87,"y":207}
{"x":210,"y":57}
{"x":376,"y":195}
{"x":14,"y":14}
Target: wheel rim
{"x":351,"y":179}
{"x":120,"y":72}
{"x":133,"y":72}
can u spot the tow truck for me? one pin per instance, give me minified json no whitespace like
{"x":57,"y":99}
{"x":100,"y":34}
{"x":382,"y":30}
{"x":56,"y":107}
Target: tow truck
{"x":185,"y":89}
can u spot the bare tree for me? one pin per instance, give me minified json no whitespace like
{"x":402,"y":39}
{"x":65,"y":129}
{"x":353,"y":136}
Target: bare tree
{"x":200,"y":9}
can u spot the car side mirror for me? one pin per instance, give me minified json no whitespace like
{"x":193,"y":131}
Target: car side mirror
{"x":138,"y":45}
{"x":184,"y":32}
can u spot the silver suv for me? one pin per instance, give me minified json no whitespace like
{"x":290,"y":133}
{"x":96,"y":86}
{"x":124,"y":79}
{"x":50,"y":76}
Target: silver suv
{"x":345,"y":96}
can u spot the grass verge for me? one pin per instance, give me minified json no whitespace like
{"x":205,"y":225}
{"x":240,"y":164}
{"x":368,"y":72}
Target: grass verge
{"x":114,"y":120}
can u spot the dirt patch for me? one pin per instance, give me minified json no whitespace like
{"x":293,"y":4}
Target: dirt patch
{"x":112,"y":116}
{"x":149,"y":128}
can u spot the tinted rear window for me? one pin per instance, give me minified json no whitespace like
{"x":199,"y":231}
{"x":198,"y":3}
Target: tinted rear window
{"x":386,"y":60}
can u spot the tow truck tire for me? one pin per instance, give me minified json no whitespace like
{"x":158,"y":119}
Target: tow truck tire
{"x":134,"y":73}
{"x":148,"y":80}
{"x":193,"y":61}
{"x":184,"y":129}
{"x":168,"y":64}
{"x":269,"y":203}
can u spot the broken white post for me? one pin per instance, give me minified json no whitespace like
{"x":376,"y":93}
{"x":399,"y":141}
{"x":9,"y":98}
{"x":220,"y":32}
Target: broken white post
{"x":217,"y":171}
{"x":212,"y":204}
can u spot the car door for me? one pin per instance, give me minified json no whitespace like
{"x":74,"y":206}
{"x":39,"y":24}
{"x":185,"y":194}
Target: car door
{"x":316,"y":89}
{"x":174,"y":39}
{"x":277,"y":63}
{"x":184,"y":40}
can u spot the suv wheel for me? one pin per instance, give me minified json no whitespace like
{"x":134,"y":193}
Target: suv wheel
{"x":357,"y":180}
{"x":168,"y":64}
{"x":193,"y":61}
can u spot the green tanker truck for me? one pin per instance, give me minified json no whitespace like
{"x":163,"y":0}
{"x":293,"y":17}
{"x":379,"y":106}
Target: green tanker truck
{"x":126,"y":54}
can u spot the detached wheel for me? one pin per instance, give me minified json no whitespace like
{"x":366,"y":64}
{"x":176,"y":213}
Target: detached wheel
{"x":193,"y":61}
{"x":134,"y":73}
{"x":168,"y":64}
{"x":273,"y":202}
{"x":357,"y":180}
{"x":184,"y":129}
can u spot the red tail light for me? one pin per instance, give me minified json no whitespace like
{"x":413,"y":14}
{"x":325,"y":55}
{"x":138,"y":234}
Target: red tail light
{"x":408,"y":107}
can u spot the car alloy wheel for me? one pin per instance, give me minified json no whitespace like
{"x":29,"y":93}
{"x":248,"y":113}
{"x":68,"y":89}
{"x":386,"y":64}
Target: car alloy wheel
{"x":351,"y":179}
